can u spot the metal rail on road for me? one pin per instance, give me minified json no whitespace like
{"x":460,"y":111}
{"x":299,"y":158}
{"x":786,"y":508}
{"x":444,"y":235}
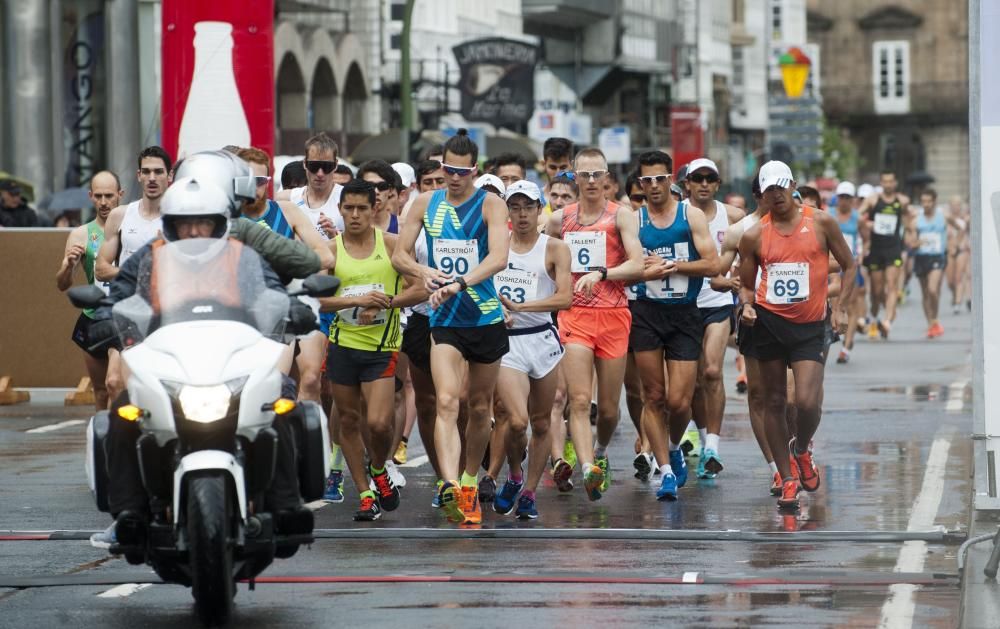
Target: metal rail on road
{"x":939,"y":536}
{"x":815,"y":578}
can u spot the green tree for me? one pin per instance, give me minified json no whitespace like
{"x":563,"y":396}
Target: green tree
{"x":840,"y":155}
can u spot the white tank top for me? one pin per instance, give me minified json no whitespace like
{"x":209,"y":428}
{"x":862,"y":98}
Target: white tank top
{"x":135,"y":231}
{"x":420,"y":253}
{"x":331,"y":208}
{"x":526,"y":279}
{"x":708,"y":297}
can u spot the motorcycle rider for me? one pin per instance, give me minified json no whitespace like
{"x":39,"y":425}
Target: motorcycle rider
{"x":198,"y":205}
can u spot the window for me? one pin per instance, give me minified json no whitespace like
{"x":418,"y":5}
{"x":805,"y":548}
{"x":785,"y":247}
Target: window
{"x":891,"y":76}
{"x":396,"y":11}
{"x":395,"y":41}
{"x":776,"y":19}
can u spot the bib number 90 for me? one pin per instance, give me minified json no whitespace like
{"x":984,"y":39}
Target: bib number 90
{"x":456,"y":266}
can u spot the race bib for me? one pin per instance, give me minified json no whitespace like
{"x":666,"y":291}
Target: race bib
{"x":885,"y":224}
{"x":588,"y":250}
{"x":673,"y":286}
{"x":517,"y":285}
{"x":632,"y":291}
{"x":350,"y":315}
{"x":930,"y":243}
{"x":456,"y":257}
{"x":787,"y":282}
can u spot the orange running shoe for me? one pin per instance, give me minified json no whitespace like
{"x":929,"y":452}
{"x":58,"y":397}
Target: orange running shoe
{"x":451,"y":501}
{"x":935,"y":330}
{"x":807,"y":472}
{"x":471,"y":510}
{"x":789,"y":495}
{"x":776,"y":484}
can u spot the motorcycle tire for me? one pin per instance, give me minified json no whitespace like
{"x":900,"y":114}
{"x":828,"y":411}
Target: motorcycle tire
{"x":209,"y":521}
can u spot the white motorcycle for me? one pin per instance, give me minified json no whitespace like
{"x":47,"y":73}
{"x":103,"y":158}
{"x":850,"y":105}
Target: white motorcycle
{"x":203,"y":338}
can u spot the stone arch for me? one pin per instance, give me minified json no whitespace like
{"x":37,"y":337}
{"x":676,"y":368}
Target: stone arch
{"x":291,"y":94}
{"x":355,"y":97}
{"x":324,"y":105}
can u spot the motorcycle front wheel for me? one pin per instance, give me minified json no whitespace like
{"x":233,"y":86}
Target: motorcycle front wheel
{"x":210,"y":543}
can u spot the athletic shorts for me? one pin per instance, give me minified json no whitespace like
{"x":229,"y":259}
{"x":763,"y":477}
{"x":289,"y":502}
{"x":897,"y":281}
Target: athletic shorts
{"x":677,"y":328}
{"x":879,"y":260}
{"x":533,"y":351}
{"x":718,"y":314}
{"x":830,"y":336}
{"x":485,"y":344}
{"x":604,"y":330}
{"x":325,"y":321}
{"x":350,"y":367}
{"x":776,"y":338}
{"x":922,"y":265}
{"x":417,"y":341}
{"x":81,"y":336}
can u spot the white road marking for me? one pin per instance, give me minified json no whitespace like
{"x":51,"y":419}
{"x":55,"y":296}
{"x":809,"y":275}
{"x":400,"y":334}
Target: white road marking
{"x":123,"y":590}
{"x":897,"y":612}
{"x":416,"y":461}
{"x":316,"y":504}
{"x":59,"y":426}
{"x":956,"y":396}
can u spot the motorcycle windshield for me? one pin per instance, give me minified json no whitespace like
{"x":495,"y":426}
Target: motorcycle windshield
{"x":201,"y":279}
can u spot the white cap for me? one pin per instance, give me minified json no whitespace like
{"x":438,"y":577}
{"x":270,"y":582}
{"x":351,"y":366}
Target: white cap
{"x":775,"y":173}
{"x":845,"y":187}
{"x":525,"y":187}
{"x":702,"y":162}
{"x":878,"y":189}
{"x":491,"y":180}
{"x":406,"y":173}
{"x":865,"y":190}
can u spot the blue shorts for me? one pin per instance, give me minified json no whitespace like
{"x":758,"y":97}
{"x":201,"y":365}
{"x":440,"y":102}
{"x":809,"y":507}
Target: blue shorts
{"x":325,"y":321}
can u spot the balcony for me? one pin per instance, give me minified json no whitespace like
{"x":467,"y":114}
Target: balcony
{"x":935,"y":102}
{"x":566,"y":14}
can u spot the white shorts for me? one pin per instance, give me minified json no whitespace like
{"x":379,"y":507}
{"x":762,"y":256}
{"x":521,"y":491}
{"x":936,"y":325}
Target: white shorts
{"x":535,"y":353}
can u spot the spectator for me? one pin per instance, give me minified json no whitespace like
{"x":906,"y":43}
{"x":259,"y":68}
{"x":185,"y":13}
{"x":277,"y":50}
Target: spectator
{"x":14,"y":210}
{"x":510,"y":167}
{"x":293,"y":175}
{"x":342,"y":174}
{"x":69,"y":218}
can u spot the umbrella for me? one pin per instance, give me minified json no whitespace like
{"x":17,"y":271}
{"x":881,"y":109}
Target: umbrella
{"x":68,"y":199}
{"x":27,"y":190}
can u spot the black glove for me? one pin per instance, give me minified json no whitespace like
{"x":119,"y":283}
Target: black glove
{"x":102,"y":334}
{"x":301,"y":319}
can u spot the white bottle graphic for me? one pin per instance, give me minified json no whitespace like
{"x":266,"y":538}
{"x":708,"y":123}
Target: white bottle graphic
{"x":213,"y":116}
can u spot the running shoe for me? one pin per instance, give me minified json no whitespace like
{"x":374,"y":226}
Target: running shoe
{"x":400,"y":456}
{"x":776,"y":484}
{"x":808,"y":474}
{"x":487,"y":488}
{"x":789,"y":498}
{"x":843,"y":356}
{"x":397,"y":477}
{"x":562,"y":472}
{"x":506,"y":498}
{"x":569,"y":453}
{"x":369,"y":510}
{"x":883,"y":328}
{"x":691,"y":442}
{"x":642,"y":466}
{"x":709,"y":465}
{"x":526,"y":508}
{"x":935,"y":330}
{"x":593,"y":479}
{"x":956,"y":309}
{"x":668,"y":488}
{"x":679,"y":467}
{"x":436,"y":502}
{"x":385,"y":489}
{"x":334,"y":487}
{"x":472,"y":512}
{"x":873,"y":329}
{"x":602,"y":462}
{"x":105,"y":538}
{"x":741,"y":383}
{"x":451,"y":501}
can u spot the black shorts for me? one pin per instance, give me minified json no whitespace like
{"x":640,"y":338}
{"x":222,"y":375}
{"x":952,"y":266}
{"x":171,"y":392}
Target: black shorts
{"x":718,"y":314}
{"x":777,"y":338}
{"x":350,"y":367}
{"x":81,"y":336}
{"x":922,"y":265}
{"x":881,"y":259}
{"x":677,"y":328}
{"x":417,"y":341}
{"x":485,"y":344}
{"x":830,"y":336}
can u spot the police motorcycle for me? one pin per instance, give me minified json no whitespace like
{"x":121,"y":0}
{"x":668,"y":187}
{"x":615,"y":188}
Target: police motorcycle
{"x":203,"y":336}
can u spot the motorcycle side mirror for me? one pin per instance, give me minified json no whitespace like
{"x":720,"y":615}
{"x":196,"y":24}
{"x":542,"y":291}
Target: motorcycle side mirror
{"x":320,"y":285}
{"x":88,"y":296}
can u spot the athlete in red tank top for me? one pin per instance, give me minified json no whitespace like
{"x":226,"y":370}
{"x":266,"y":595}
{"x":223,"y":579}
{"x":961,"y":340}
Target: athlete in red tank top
{"x":608,"y":252}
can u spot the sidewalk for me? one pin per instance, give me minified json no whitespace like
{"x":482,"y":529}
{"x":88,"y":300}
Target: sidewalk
{"x":980,"y":596}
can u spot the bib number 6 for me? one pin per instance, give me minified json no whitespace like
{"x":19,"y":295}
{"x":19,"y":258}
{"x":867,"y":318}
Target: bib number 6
{"x":583,"y":257}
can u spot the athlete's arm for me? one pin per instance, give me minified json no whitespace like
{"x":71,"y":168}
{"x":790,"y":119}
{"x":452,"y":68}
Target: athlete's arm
{"x":404,"y":258}
{"x":104,"y":267}
{"x":413,"y":292}
{"x":283,"y":195}
{"x":495,"y":214}
{"x":307,"y":233}
{"x":708,"y":264}
{"x":910,"y":235}
{"x":628,"y":229}
{"x":727,"y":258}
{"x":557,"y":259}
{"x":748,"y":246}
{"x":554,"y":226}
{"x":837,"y":245}
{"x":76,"y":244}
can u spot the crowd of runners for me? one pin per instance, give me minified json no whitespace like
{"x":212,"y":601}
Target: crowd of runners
{"x":505,"y":320}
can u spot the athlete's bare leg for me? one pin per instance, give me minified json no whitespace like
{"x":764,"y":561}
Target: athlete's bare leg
{"x":893,"y":275}
{"x":710,"y":386}
{"x":312,"y":351}
{"x":97,"y":371}
{"x":426,"y":404}
{"x":755,"y":403}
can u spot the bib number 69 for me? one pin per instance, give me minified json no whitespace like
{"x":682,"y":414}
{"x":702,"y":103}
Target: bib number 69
{"x":786,"y":288}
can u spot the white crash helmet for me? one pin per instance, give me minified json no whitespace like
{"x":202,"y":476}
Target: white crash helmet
{"x":225,"y":170}
{"x":190,"y":198}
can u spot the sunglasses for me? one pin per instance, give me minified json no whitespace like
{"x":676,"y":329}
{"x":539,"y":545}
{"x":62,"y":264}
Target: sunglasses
{"x":316,"y":165}
{"x":381,"y":186}
{"x":697,"y":178}
{"x":262,"y":181}
{"x":566,"y":174}
{"x":648,"y":180}
{"x":459,"y":170}
{"x":637,"y":198}
{"x":591,"y":175}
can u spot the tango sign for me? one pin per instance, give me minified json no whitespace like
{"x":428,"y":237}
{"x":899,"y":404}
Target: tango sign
{"x":497,"y":80}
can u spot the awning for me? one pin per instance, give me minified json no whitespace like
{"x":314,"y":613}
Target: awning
{"x":590,"y":77}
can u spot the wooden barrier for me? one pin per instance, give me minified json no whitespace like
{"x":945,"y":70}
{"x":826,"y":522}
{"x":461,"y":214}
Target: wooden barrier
{"x":36,"y":319}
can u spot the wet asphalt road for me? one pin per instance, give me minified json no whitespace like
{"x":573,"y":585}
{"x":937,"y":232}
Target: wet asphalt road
{"x":883,"y":412}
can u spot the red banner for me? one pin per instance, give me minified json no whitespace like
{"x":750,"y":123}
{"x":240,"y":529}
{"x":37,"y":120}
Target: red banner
{"x":687,"y":136}
{"x":218,"y":75}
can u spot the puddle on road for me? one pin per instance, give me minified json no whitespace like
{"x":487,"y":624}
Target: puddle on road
{"x":926,"y":392}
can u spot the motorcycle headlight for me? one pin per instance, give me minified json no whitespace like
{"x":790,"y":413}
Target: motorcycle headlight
{"x":205,"y":404}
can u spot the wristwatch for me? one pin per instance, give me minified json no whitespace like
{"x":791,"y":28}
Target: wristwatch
{"x":603,"y":270}
{"x":461,"y":282}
